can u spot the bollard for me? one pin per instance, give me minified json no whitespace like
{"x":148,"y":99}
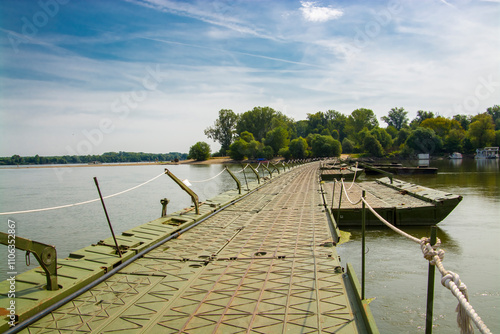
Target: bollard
{"x":430,"y":288}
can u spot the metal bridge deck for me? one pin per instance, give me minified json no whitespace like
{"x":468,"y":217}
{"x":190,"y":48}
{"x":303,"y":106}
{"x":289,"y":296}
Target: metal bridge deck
{"x":262,"y":265}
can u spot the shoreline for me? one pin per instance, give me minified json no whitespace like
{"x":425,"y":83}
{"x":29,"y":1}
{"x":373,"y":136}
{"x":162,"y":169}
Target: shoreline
{"x":223,"y":160}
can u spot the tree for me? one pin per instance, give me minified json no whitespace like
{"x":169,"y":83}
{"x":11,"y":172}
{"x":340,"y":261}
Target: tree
{"x":403,"y":134}
{"x":223,"y":130}
{"x":298,"y":148}
{"x":200,"y":151}
{"x":372,"y":145}
{"x":421,"y":116}
{"x":424,"y":140}
{"x":347,"y":146}
{"x":237,"y":149}
{"x":441,"y":125}
{"x":482,"y":131}
{"x":336,"y":121}
{"x":325,"y":146}
{"x":453,"y":141}
{"x":397,"y":118}
{"x":258,"y":121}
{"x":494,"y":112}
{"x":383,"y":137}
{"x":277,"y":138}
{"x":359,"y":119}
{"x":464,"y":120}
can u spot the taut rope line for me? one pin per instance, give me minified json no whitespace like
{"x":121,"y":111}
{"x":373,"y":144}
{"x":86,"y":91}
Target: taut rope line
{"x":80,"y":203}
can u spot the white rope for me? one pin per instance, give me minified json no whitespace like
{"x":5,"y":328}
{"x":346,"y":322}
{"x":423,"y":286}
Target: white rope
{"x":213,"y":177}
{"x":449,"y":279}
{"x":80,"y":203}
{"x":354,"y":178}
{"x":243,"y":169}
{"x":347,"y":196}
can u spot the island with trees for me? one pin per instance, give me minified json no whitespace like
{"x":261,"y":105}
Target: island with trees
{"x":266,"y":133}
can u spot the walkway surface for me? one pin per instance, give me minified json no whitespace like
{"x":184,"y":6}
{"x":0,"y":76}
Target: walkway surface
{"x":262,"y":265}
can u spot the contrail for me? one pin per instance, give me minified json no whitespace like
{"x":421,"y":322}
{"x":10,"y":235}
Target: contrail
{"x":230,"y":51}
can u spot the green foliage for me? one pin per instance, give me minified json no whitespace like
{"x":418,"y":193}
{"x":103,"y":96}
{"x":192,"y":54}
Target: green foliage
{"x":424,"y":140}
{"x":258,"y":121}
{"x":285,"y":153}
{"x":360,"y":119}
{"x":277,"y":138}
{"x":347,"y":146}
{"x":199,"y":151}
{"x":482,"y":131}
{"x":421,"y":116}
{"x":237,"y":149}
{"x":403,"y":134}
{"x":464,"y":120}
{"x":298,"y":148}
{"x":397,"y":118}
{"x":453,"y":141}
{"x":372,"y":145}
{"x":325,"y":146}
{"x":383,"y":137}
{"x":441,"y":125}
{"x":247,"y":136}
{"x":494,"y":112}
{"x":223,"y":130}
{"x":392,"y":131}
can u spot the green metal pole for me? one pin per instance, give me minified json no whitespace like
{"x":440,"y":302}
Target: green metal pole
{"x":363,"y":225}
{"x":340,"y":202}
{"x":333,"y":192}
{"x":430,"y":287}
{"x":107,"y":217}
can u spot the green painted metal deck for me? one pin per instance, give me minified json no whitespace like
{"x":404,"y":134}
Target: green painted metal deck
{"x":264,"y":264}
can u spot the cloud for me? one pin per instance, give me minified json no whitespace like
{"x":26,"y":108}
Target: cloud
{"x":313,"y":13}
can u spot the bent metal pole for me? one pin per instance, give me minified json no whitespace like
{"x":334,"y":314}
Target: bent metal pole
{"x":107,"y":216}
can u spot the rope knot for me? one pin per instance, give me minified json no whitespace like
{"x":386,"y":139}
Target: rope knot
{"x":430,"y":251}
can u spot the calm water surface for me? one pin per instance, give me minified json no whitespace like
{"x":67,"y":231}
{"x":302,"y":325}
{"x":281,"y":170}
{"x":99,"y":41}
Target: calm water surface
{"x":396,"y":273}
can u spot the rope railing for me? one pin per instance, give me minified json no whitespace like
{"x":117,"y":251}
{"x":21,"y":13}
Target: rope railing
{"x":347,"y":195}
{"x":449,"y":279}
{"x":80,"y":203}
{"x":209,"y":179}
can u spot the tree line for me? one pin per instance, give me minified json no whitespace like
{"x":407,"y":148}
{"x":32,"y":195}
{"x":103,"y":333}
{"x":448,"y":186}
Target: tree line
{"x":108,"y":157}
{"x":265,"y":133}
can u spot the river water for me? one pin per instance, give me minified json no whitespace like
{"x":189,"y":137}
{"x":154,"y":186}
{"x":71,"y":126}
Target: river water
{"x":396,"y":273}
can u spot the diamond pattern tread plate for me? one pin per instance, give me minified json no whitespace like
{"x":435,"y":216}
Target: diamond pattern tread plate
{"x":259,"y":266}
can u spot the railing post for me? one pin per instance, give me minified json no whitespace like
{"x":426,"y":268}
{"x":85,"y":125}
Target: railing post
{"x":430,"y":288}
{"x":255,"y":172}
{"x":238,"y":184}
{"x":333,"y":192}
{"x":363,"y":230}
{"x":164,"y":202}
{"x":107,"y":217}
{"x":245,"y":175}
{"x":191,"y":193}
{"x":270,"y":174}
{"x":340,"y":202}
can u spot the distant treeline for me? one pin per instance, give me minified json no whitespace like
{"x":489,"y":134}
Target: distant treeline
{"x":108,"y":157}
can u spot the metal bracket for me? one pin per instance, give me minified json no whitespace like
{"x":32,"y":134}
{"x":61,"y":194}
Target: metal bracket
{"x":235,"y":179}
{"x":46,"y":256}
{"x":191,"y":193}
{"x":255,"y":172}
{"x":164,"y":202}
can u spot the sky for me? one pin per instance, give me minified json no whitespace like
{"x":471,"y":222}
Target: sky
{"x":87,"y":77}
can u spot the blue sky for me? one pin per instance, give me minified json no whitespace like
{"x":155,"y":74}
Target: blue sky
{"x":88,"y":77}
